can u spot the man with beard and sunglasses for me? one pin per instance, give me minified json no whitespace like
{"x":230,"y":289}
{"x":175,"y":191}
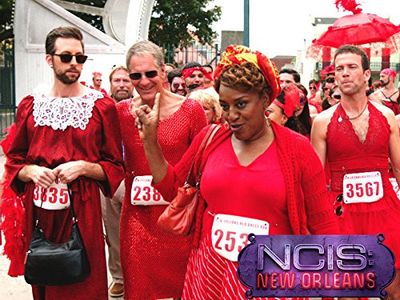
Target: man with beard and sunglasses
{"x":66,"y":137}
{"x":388,"y":94}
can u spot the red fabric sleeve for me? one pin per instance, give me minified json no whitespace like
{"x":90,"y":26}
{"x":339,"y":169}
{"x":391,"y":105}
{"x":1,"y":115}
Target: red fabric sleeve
{"x":199,"y":121}
{"x":19,"y":146}
{"x":111,"y":150}
{"x":319,"y":210}
{"x":176,"y":175}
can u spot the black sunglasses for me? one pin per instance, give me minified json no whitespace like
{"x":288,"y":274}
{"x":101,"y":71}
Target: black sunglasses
{"x":330,"y":80}
{"x":66,"y":58}
{"x":337,"y":96}
{"x":148,"y":74}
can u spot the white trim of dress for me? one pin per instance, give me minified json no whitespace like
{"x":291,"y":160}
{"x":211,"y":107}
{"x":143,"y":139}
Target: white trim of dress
{"x":59,"y":113}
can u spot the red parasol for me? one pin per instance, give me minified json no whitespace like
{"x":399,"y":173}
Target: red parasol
{"x":357,"y":29}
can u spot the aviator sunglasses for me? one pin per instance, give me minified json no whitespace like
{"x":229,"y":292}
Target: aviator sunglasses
{"x":66,"y":58}
{"x":148,"y":74}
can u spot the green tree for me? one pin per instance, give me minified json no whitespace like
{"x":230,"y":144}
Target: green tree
{"x":6,"y":19}
{"x":171,"y":20}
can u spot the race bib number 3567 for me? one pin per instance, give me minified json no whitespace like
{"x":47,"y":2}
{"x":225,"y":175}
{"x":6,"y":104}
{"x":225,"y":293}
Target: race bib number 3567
{"x":362,"y":187}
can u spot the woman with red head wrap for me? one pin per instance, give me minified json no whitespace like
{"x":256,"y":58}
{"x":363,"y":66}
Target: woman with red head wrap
{"x":253,"y":169}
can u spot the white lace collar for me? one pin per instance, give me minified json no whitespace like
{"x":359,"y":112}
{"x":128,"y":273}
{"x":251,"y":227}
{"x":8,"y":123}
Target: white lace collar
{"x":59,"y":113}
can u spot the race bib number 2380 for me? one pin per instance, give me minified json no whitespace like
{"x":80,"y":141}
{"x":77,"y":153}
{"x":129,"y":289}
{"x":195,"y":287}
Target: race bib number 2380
{"x":143,"y":193}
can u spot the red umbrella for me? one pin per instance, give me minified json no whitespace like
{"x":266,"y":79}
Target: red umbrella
{"x":357,"y":29}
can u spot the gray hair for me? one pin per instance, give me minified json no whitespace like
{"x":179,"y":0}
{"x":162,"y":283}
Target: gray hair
{"x":146,"y":47}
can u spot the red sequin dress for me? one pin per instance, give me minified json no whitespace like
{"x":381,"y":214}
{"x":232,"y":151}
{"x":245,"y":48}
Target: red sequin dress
{"x":346,"y":154}
{"x":154,"y":261}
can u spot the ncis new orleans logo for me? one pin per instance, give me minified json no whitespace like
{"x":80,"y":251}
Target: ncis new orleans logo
{"x":316,"y":266}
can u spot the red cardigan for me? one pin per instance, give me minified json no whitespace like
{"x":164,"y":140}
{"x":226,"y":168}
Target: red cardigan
{"x":309,"y":208}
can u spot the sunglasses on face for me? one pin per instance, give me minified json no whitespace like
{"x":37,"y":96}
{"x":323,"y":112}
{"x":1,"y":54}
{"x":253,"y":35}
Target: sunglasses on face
{"x":326,"y":89}
{"x":148,"y":74}
{"x":338,"y":210}
{"x":337,"y":96}
{"x":312,"y":88}
{"x":66,"y":58}
{"x":177,"y":85}
{"x":330,"y":80}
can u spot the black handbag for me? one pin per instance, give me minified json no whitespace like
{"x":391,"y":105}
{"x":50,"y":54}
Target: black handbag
{"x":49,"y":263}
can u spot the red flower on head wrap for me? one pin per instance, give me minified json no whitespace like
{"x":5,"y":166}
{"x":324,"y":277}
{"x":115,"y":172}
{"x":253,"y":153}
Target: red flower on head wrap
{"x":389,"y":72}
{"x":290,"y":97}
{"x":236,"y":54}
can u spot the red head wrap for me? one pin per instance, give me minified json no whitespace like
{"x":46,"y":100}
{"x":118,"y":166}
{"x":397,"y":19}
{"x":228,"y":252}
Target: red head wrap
{"x":236,"y":54}
{"x":290,"y":95}
{"x":327,"y":70}
{"x":389,"y":72}
{"x":189,"y":71}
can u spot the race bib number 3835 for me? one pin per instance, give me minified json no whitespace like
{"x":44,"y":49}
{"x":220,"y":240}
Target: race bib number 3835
{"x":143,"y":193}
{"x":229,"y":234}
{"x":55,"y":197}
{"x":362,"y":187}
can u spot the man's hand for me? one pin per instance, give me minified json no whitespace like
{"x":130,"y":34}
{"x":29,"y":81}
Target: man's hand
{"x":69,"y":171}
{"x":147,"y":119}
{"x":41,"y":176}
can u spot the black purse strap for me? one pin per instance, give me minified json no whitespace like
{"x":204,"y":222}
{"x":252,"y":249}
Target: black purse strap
{"x":71,"y":206}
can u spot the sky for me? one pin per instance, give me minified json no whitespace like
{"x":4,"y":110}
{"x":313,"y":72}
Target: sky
{"x":282,"y":27}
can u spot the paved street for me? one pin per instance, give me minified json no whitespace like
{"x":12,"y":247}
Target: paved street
{"x":16,"y":288}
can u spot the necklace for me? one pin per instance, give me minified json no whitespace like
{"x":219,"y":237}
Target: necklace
{"x":340,"y":119}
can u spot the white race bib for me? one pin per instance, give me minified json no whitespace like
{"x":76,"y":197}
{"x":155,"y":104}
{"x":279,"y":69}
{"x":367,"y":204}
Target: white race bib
{"x":143,"y":193}
{"x":55,"y":197}
{"x":364,"y":187}
{"x":229,"y":234}
{"x":395,"y":186}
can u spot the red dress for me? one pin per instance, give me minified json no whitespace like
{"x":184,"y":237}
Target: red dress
{"x":98,"y":142}
{"x":346,"y":154}
{"x":153,"y":261}
{"x":275,"y":188}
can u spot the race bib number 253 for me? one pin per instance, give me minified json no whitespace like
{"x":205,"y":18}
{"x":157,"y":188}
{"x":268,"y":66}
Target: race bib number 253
{"x":229,"y":234}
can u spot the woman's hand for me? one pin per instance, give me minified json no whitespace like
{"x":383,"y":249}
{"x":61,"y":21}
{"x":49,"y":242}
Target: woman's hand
{"x":147,"y":120}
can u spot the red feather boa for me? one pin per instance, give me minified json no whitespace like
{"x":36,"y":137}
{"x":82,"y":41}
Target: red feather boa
{"x":12,"y":217}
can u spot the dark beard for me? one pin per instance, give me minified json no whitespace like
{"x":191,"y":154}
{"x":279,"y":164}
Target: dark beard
{"x":384,"y":83}
{"x":65,"y":79}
